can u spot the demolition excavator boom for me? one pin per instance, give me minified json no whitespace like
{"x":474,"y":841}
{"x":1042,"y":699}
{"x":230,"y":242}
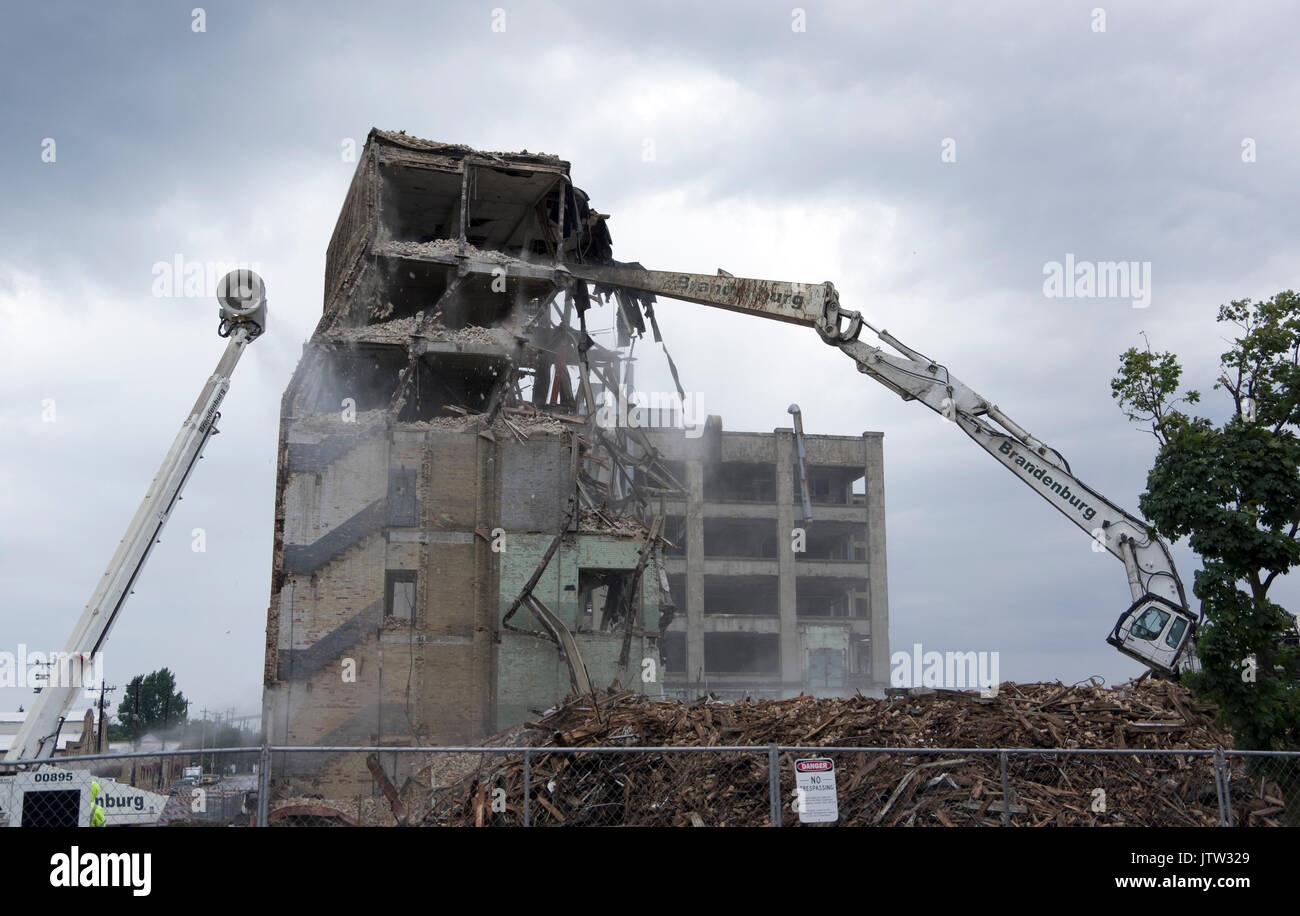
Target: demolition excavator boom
{"x":1157,"y":628}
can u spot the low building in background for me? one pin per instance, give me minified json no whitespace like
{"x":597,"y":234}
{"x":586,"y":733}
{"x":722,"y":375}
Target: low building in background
{"x":769,"y":604}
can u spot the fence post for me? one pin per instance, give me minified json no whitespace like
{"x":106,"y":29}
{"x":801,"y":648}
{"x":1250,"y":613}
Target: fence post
{"x":528,"y":787}
{"x":1223,"y":779}
{"x":774,"y":785}
{"x":1006,"y":790}
{"x":263,"y":784}
{"x":1218,"y":786}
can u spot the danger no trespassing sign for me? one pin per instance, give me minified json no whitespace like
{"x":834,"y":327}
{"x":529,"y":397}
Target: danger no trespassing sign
{"x":815,"y":798}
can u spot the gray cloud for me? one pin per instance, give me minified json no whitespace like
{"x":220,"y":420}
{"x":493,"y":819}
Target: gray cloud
{"x":798,"y":156}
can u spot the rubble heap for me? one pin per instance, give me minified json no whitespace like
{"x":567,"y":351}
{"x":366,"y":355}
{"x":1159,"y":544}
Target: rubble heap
{"x":885,"y":789}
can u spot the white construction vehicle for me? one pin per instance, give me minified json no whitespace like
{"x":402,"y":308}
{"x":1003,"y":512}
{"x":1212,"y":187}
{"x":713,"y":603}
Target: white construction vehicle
{"x":60,"y":796}
{"x":1157,"y":629}
{"x":242,"y":298}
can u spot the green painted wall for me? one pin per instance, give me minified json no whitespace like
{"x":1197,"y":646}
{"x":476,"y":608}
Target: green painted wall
{"x":530,"y":672}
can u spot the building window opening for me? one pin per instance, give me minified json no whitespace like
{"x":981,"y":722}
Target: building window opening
{"x":399,"y":594}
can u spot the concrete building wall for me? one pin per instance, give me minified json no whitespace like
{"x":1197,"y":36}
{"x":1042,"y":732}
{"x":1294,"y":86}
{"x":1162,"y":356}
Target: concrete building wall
{"x":536,"y":676}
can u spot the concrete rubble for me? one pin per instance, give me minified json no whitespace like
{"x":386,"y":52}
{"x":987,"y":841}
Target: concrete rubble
{"x":441,"y":248}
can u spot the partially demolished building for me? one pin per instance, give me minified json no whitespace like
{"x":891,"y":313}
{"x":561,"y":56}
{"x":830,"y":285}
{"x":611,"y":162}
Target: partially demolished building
{"x":458,"y":542}
{"x":454,"y":545}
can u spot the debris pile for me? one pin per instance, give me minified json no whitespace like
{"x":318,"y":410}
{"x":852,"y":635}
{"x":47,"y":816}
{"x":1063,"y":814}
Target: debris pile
{"x":399,"y":331}
{"x":396,"y":331}
{"x":470,"y":334}
{"x":442,"y":248}
{"x":502,"y":427}
{"x":409,"y":140}
{"x":731,"y":788}
{"x":593,"y":520}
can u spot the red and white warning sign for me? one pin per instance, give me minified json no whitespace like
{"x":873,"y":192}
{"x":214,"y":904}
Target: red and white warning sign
{"x":815,"y":797}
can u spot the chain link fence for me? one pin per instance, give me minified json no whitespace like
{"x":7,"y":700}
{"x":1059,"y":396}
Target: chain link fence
{"x":656,"y":786}
{"x":1261,"y":788}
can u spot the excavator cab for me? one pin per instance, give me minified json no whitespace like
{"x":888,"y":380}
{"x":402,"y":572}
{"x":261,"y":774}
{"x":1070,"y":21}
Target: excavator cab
{"x":1155,"y":631}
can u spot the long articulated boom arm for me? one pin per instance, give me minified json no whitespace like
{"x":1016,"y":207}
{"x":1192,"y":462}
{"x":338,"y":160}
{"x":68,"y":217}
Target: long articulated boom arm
{"x":1042,"y":468}
{"x":1152,"y":578}
{"x":69,"y":674}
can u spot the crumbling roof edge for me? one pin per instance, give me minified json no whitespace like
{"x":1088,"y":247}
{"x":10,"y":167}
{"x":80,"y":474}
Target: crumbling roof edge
{"x":402,"y":139}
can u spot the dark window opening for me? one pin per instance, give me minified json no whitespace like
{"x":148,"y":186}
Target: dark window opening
{"x":829,"y":485}
{"x":749,"y":595}
{"x":862,"y":656}
{"x":602,"y":596}
{"x":446,"y":381}
{"x":410,"y":286}
{"x":677,"y":588}
{"x":740,"y":481}
{"x":664,"y":475}
{"x":420,"y":204}
{"x":824,"y":598}
{"x":399,"y":593}
{"x":742,"y":653}
{"x":828,"y":541}
{"x":672,"y":650}
{"x":401,"y":498}
{"x":740,"y":538}
{"x":675,"y":533}
{"x":365,"y":376}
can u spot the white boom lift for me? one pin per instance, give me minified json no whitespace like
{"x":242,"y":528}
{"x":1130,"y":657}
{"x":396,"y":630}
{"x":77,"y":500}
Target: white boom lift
{"x":242,"y":297}
{"x":1157,"y":629}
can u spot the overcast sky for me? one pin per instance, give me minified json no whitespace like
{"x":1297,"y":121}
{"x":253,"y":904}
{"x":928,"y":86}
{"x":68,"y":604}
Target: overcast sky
{"x":717,"y":135}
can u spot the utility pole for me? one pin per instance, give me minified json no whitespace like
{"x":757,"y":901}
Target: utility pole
{"x":230,"y":723}
{"x":103,"y":725}
{"x":136,"y":724}
{"x":203,"y":734}
{"x":162,"y":761}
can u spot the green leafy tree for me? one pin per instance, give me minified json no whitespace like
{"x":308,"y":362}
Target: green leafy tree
{"x":151,"y":703}
{"x":1233,"y":490}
